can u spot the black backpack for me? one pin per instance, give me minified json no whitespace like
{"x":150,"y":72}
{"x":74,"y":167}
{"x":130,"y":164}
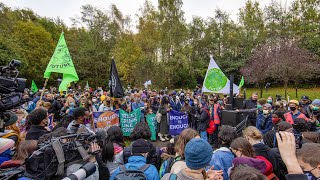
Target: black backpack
{"x":50,"y":161}
{"x":128,"y":174}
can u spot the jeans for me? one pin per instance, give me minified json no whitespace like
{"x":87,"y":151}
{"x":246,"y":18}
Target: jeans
{"x":203,"y":135}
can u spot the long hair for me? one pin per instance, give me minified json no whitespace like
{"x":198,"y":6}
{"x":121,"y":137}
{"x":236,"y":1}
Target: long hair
{"x":242,"y":145}
{"x":141,"y":130}
{"x":114,"y":135}
{"x":184,"y":137}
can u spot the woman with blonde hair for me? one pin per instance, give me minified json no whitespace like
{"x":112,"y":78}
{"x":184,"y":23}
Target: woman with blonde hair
{"x":254,"y":136}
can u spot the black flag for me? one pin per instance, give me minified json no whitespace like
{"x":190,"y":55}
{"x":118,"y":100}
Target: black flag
{"x":116,"y":89}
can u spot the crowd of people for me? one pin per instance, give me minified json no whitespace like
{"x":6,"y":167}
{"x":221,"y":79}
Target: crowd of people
{"x":280,"y":141}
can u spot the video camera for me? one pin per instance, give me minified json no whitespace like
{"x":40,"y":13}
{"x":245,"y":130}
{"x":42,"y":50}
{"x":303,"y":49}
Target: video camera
{"x":11,"y":88}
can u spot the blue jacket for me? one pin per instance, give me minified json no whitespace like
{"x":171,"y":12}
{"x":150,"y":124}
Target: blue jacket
{"x":264,"y":124}
{"x":137,"y":105}
{"x":136,"y":162}
{"x":222,"y":160}
{"x":175,"y":105}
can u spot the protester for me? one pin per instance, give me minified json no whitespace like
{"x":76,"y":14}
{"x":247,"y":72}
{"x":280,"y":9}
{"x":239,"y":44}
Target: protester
{"x":245,"y":155}
{"x":179,"y":161}
{"x":252,"y":104}
{"x":163,"y":124}
{"x":138,"y":161}
{"x":277,"y":116}
{"x":246,"y":172}
{"x":38,"y":120}
{"x":305,"y":103}
{"x":5,"y":149}
{"x":198,"y":153}
{"x":106,"y":105}
{"x":24,"y":149}
{"x":55,"y":107}
{"x":203,"y":122}
{"x":222,"y":157}
{"x":139,"y":104}
{"x":254,"y":136}
{"x":294,"y":112}
{"x":264,"y":119}
{"x":142,"y":131}
{"x":81,"y":122}
{"x":28,"y":105}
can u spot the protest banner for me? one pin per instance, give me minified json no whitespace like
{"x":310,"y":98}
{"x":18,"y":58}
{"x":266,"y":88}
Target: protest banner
{"x":129,"y":120}
{"x":104,"y":120}
{"x":177,"y":122}
{"x":152,"y":123}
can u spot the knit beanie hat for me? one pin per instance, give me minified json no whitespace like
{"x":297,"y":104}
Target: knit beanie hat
{"x":5,"y":144}
{"x":140,"y":146}
{"x":198,"y":153}
{"x":10,"y":118}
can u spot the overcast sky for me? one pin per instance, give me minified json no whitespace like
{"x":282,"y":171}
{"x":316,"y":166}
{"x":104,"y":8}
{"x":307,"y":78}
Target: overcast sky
{"x":67,"y":9}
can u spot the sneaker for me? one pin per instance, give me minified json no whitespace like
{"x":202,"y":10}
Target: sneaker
{"x":166,"y":138}
{"x":162,"y":139}
{"x":172,"y":140}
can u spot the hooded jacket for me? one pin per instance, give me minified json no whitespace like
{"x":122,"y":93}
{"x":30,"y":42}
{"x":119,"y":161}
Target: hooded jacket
{"x":222,"y":160}
{"x":136,"y":162}
{"x":273,"y":156}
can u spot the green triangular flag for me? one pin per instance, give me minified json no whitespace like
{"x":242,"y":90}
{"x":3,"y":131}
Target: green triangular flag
{"x":61,"y":62}
{"x":241,"y":82}
{"x":34,"y":87}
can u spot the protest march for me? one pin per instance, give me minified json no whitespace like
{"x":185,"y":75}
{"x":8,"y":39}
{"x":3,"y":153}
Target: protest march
{"x":117,"y":128}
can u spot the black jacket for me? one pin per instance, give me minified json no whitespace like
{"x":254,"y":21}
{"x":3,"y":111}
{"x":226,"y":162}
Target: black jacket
{"x":204,"y":120}
{"x":35,"y":132}
{"x":251,"y":104}
{"x":273,"y":156}
{"x":296,"y":177}
{"x":55,"y":109}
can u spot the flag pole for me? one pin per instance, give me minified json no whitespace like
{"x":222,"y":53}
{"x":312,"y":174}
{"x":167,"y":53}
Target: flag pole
{"x":44,"y":86}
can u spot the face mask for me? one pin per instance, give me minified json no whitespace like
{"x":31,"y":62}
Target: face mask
{"x":275,"y":120}
{"x":71,"y":104}
{"x":94,"y":100}
{"x":293,"y":108}
{"x":310,"y":175}
{"x":86,"y":121}
{"x":269,"y":101}
{"x":195,"y":103}
{"x":315,"y":108}
{"x":265,"y":112}
{"x":22,"y":122}
{"x":259,"y":106}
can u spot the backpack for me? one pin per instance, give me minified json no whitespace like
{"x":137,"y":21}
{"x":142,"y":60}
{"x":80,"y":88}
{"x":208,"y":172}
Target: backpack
{"x":51,"y":160}
{"x":129,"y":174}
{"x":167,"y":165}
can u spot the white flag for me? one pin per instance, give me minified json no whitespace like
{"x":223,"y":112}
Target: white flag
{"x":216,"y":81}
